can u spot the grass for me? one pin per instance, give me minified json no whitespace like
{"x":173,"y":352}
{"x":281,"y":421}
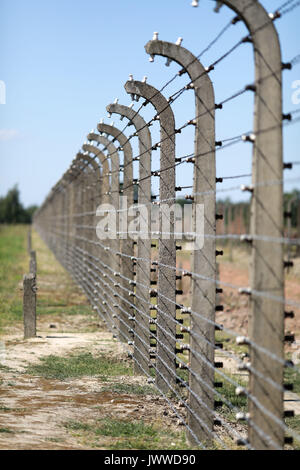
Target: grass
{"x":57,"y":296}
{"x":6,"y":431}
{"x":229,"y":343}
{"x":294,"y":423}
{"x":13,"y":264}
{"x":50,"y":307}
{"x":293,"y":377}
{"x":79,"y":365}
{"x":4,"y":408}
{"x":131,"y":389}
{"x":126,"y":434}
{"x":54,"y":439}
{"x":227,"y":391}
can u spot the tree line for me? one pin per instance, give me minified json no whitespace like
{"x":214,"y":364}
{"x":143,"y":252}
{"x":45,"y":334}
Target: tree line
{"x":12,"y":210}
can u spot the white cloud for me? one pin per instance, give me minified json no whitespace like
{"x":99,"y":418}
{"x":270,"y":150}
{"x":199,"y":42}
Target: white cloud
{"x":8,"y":134}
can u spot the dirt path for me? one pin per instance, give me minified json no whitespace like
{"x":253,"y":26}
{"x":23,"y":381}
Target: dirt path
{"x":36,"y":409}
{"x":41,"y":412}
{"x":53,"y":412}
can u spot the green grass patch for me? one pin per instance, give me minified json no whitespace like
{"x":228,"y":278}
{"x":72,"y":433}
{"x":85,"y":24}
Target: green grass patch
{"x":125,"y":434}
{"x":4,"y":408}
{"x":51,"y":307}
{"x":227,"y":392}
{"x":12,"y":258}
{"x":79,"y":365}
{"x":114,"y":428}
{"x":294,"y":423}
{"x":229,"y":343}
{"x":5,"y":368}
{"x":131,"y":389}
{"x":6,"y":431}
{"x":292,"y":376}
{"x":55,"y":439}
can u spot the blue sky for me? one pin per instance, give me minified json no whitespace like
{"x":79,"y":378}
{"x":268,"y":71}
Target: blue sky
{"x":63,"y":61}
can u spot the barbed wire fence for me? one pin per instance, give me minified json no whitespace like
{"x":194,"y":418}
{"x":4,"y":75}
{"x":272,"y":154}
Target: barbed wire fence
{"x":166,"y":314}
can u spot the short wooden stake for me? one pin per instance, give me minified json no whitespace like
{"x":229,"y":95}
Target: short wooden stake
{"x":29,"y":305}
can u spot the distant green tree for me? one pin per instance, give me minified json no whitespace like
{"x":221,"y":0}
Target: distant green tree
{"x":295,"y":196}
{"x":12,"y":210}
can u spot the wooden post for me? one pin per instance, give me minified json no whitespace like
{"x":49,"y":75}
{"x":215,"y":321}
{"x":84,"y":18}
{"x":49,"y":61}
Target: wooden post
{"x":29,"y":241}
{"x":29,"y":305}
{"x":32,"y":264}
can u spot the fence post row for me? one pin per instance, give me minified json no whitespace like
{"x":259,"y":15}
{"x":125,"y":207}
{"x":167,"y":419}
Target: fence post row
{"x":100,"y":262}
{"x":111,"y":246}
{"x":105,"y":268}
{"x":201,"y":401}
{"x":103,"y":192}
{"x":142,"y":313}
{"x":125,"y":243}
{"x":166,"y":288}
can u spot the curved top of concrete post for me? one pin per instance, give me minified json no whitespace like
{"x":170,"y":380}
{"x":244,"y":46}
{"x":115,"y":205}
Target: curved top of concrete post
{"x":112,"y":150}
{"x":256,"y":19}
{"x":157,"y":100}
{"x":120,"y":137}
{"x":188,"y":61}
{"x":145,"y":144}
{"x":105,"y":167}
{"x":95,"y":172}
{"x":90,"y":160}
{"x":115,"y":164}
{"x":267,"y":74}
{"x":127,"y":150}
{"x":167,"y":134}
{"x":205,"y":107}
{"x":97,"y":152}
{"x":136,"y":119}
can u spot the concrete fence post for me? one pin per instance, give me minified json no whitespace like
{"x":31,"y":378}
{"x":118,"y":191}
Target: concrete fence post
{"x":103,"y":197}
{"x":98,"y":187}
{"x":29,"y":305}
{"x":267,"y":276}
{"x":111,"y":244}
{"x":125,"y":241}
{"x":166,"y":289}
{"x":73,"y":208}
{"x":69,"y":217}
{"x":143,"y":286}
{"x":89,"y":173}
{"x":202,"y":331}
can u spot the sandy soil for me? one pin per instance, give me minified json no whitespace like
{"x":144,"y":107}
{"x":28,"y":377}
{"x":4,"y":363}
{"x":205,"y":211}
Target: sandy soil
{"x":35,"y":409}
